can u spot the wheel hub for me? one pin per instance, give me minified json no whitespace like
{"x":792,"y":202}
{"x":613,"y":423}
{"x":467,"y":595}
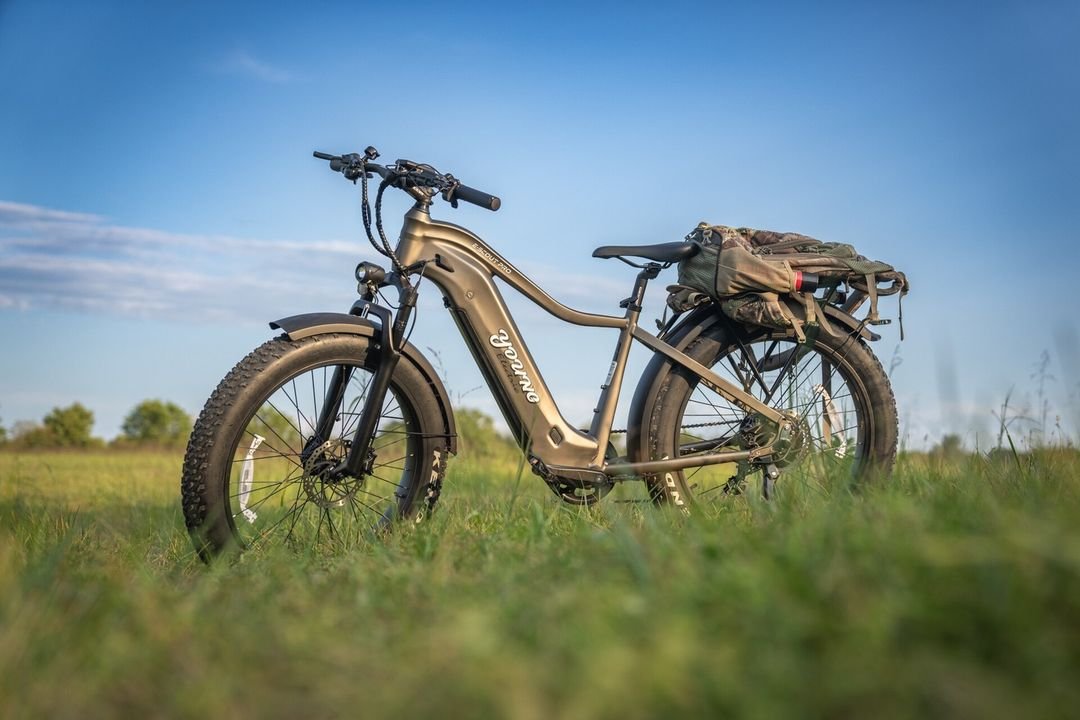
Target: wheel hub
{"x":791,"y":443}
{"x":790,"y":439}
{"x":322,"y":486}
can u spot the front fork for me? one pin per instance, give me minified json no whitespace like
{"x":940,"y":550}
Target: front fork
{"x":391,"y":340}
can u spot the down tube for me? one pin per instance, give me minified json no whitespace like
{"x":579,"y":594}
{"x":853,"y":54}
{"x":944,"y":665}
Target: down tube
{"x":511,"y":372}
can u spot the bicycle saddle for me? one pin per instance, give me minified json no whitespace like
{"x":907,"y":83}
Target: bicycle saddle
{"x":663,"y":252}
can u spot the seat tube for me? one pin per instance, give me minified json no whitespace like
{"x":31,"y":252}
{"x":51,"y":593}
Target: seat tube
{"x":604,"y":412}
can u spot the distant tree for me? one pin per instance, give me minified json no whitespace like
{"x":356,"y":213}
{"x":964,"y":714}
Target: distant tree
{"x":478,"y":438}
{"x":157,"y":422}
{"x":22,"y":427}
{"x":30,"y":434}
{"x":70,"y":426}
{"x":951,"y":447}
{"x":3,"y":433}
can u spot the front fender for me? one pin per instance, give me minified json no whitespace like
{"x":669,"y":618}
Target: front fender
{"x":298,"y":327}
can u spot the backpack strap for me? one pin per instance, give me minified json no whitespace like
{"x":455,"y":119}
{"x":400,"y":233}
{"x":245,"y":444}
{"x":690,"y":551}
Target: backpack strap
{"x":815,"y":318}
{"x":783,"y":245}
{"x":900,"y":307}
{"x":796,"y":323}
{"x":871,"y":293}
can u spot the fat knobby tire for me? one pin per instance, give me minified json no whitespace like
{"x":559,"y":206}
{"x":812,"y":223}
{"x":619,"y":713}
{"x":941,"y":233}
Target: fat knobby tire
{"x":214,"y":438}
{"x":674,"y":385}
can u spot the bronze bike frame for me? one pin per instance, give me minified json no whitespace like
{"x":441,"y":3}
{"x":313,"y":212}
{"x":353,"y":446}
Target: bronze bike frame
{"x":464,"y":268}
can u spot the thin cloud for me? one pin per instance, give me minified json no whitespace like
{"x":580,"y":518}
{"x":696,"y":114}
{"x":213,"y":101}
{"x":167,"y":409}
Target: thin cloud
{"x":240,"y":62}
{"x":12,"y":213}
{"x":73,"y":261}
{"x":11,"y":303}
{"x":76,"y":261}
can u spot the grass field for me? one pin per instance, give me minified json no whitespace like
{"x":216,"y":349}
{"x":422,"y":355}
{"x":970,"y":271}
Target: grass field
{"x":954,"y":590}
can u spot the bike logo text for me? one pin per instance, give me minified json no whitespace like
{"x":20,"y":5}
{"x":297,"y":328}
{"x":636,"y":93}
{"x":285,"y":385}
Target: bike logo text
{"x":501,"y":340}
{"x":490,"y":257}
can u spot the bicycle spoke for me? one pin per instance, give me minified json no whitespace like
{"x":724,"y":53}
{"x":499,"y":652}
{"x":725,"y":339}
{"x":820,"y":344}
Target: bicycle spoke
{"x":273,"y":494}
{"x":294,"y":399}
{"x":253,"y":435}
{"x":791,"y":377}
{"x":753,"y":363}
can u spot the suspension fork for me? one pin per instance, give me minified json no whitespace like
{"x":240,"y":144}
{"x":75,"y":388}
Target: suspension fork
{"x":335,"y":394}
{"x":391,"y":340}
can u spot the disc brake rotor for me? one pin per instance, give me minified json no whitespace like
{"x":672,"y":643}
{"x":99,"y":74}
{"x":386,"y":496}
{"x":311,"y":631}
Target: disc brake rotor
{"x":321,"y":489}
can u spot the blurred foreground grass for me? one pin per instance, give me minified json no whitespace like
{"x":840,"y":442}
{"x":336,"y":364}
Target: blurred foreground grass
{"x":954,"y":590}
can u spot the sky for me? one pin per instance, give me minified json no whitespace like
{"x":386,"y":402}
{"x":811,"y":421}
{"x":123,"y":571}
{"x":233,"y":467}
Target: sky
{"x":159,"y":204}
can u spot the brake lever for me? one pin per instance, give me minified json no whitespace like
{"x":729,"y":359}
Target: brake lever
{"x":351,"y":165}
{"x":448,"y":191}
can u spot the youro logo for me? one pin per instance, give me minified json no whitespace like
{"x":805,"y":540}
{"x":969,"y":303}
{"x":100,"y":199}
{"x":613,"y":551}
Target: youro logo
{"x":501,"y":340}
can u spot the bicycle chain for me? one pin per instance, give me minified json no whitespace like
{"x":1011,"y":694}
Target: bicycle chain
{"x":682,"y":427}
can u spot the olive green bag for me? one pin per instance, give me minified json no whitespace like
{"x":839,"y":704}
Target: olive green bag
{"x":758,"y":276}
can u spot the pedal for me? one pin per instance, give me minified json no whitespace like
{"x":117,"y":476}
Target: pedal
{"x":733,"y":486}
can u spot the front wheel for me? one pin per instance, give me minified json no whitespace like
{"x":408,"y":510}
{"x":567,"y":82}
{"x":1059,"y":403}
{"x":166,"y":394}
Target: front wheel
{"x":255,"y":474}
{"x":833,"y":388}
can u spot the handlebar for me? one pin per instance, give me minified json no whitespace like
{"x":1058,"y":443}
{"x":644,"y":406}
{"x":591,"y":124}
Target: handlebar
{"x":474,"y":196}
{"x":405,"y":174}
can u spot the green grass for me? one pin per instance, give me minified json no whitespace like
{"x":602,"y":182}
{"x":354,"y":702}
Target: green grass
{"x":954,"y":590}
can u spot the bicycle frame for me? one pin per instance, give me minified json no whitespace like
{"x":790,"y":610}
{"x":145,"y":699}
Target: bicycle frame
{"x":371,"y":448}
{"x":464,"y":268}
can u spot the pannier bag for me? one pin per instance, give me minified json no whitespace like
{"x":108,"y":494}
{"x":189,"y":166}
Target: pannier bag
{"x":757,"y":276}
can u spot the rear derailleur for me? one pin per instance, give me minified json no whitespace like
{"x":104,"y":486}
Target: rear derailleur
{"x":788,"y":445}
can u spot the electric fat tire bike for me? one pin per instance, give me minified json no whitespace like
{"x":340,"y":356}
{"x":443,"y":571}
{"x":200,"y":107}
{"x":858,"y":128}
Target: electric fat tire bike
{"x":339,"y":427}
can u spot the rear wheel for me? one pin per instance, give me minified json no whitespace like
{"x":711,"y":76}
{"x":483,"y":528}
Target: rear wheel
{"x":834,"y":387}
{"x":254,"y":474}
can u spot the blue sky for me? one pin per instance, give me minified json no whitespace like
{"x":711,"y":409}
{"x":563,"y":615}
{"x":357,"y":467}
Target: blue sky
{"x":158,"y":201}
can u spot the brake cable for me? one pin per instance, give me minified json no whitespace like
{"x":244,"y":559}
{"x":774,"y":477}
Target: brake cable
{"x":365,"y":207}
{"x":365,"y":213}
{"x":424,"y":175}
{"x":388,"y":252}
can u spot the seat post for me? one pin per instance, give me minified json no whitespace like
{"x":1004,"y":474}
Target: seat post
{"x":632,"y":304}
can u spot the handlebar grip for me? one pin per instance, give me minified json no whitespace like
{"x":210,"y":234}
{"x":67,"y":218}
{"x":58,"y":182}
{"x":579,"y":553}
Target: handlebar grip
{"x":476,"y":197}
{"x":323,"y":156}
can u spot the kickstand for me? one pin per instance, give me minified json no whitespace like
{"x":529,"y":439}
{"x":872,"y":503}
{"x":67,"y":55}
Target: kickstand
{"x":771,"y":474}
